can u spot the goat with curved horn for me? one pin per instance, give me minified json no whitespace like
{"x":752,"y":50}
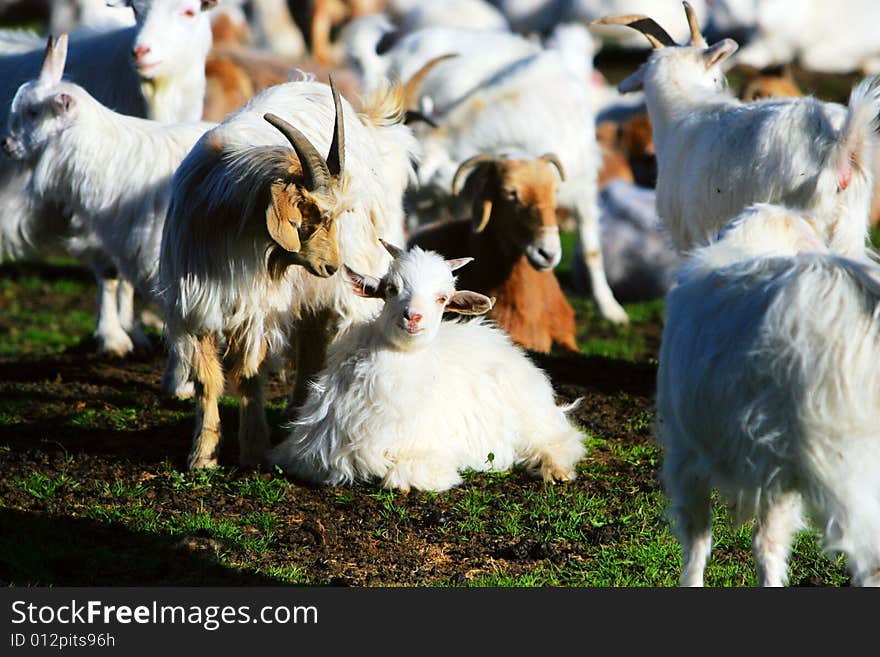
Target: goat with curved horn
{"x":468,"y":164}
{"x":656,"y":35}
{"x":316,"y":175}
{"x":394,"y":251}
{"x":412,"y":86}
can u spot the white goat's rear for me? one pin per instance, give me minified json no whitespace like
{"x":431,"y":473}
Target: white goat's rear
{"x":768,"y":390}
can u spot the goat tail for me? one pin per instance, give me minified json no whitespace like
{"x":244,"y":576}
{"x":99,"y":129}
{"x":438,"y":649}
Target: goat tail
{"x":385,"y":106}
{"x":852,"y":152}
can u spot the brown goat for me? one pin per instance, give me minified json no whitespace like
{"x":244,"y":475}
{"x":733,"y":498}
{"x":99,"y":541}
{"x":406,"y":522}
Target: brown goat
{"x":771,"y":82}
{"x":627,"y":151}
{"x":514,"y":240}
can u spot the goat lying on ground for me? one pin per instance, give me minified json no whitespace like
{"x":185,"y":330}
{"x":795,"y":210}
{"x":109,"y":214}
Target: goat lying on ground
{"x":514,"y":238}
{"x":413,"y":401}
{"x":768,"y":388}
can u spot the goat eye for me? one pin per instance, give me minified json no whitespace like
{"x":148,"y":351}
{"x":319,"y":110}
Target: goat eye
{"x":510,"y":194}
{"x":392,"y":289}
{"x":189,"y":13}
{"x":32,"y":113}
{"x":442,"y":299}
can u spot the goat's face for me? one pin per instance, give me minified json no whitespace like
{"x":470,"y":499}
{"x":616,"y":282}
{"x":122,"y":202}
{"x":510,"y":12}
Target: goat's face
{"x":303,"y":208}
{"x":41,"y":108}
{"x":515,"y":199}
{"x":307,"y":233}
{"x":170,"y":33}
{"x":417,"y":289}
{"x":672,"y":66}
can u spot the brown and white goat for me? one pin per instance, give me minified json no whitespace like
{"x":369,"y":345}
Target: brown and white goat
{"x":245,"y":209}
{"x":514,"y":240}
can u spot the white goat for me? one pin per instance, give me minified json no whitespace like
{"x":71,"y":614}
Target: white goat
{"x":717,"y":155}
{"x":767,"y":390}
{"x":154,"y":69}
{"x":819,"y":35}
{"x":72,"y":143}
{"x":245,"y":209}
{"x":511,"y":115}
{"x":486,"y":51}
{"x":413,"y":401}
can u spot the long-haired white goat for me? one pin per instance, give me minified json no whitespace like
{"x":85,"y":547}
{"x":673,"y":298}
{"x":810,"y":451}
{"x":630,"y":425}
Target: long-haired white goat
{"x":412,"y":401}
{"x":717,"y":155}
{"x":154,"y":69}
{"x":111,"y":170}
{"x":255,"y":232}
{"x":768,"y":390}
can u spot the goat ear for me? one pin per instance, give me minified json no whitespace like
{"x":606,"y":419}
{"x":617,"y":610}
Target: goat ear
{"x":458,"y":263}
{"x":633,"y":82}
{"x":716,"y":54}
{"x":369,"y":287}
{"x":63,"y":102}
{"x":280,"y":220}
{"x":465,"y":302}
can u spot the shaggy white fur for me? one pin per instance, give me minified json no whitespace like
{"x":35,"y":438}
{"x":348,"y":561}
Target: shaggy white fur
{"x":112,"y":171}
{"x":412,"y":401}
{"x":767,"y":390}
{"x":213,"y":266}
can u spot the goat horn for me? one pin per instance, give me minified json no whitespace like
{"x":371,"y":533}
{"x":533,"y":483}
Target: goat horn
{"x":554,"y":160}
{"x":395,"y":251}
{"x":316,"y":176}
{"x":412,"y":86}
{"x":696,"y":36}
{"x":469,"y":164}
{"x":336,"y":156}
{"x":656,"y":35}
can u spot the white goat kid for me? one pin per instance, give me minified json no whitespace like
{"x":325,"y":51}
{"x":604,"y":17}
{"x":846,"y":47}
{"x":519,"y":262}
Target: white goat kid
{"x":413,"y":401}
{"x":71,"y":142}
{"x":717,"y":155}
{"x":153,"y":69}
{"x":767,"y":390}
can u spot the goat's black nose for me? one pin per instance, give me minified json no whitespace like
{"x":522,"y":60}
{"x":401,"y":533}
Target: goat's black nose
{"x":330,"y":269}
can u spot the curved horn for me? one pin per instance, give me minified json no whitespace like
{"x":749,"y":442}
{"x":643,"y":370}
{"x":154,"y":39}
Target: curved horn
{"x":554,"y":160}
{"x":412,"y":86}
{"x":694,"y":25}
{"x":469,"y":164}
{"x":656,"y":35}
{"x":395,"y":251}
{"x":316,"y":176}
{"x":336,"y":156}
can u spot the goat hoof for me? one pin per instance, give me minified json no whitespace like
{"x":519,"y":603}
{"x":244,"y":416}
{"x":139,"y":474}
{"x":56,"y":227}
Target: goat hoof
{"x":114,"y":344}
{"x":554,"y":474}
{"x":201,"y":462}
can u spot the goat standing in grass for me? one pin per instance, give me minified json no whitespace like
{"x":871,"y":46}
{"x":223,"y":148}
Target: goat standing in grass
{"x":768,"y":390}
{"x":258,"y":223}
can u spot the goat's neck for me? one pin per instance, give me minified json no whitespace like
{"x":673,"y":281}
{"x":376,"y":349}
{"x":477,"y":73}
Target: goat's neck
{"x":176,"y":98}
{"x":496,"y":258}
{"x":672,"y":100}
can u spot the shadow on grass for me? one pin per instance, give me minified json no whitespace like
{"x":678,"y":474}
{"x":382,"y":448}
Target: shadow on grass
{"x":45,"y":550}
{"x":609,"y":376}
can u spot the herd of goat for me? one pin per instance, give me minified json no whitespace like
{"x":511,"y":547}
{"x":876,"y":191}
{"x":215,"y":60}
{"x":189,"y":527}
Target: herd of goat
{"x":278,"y":222}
